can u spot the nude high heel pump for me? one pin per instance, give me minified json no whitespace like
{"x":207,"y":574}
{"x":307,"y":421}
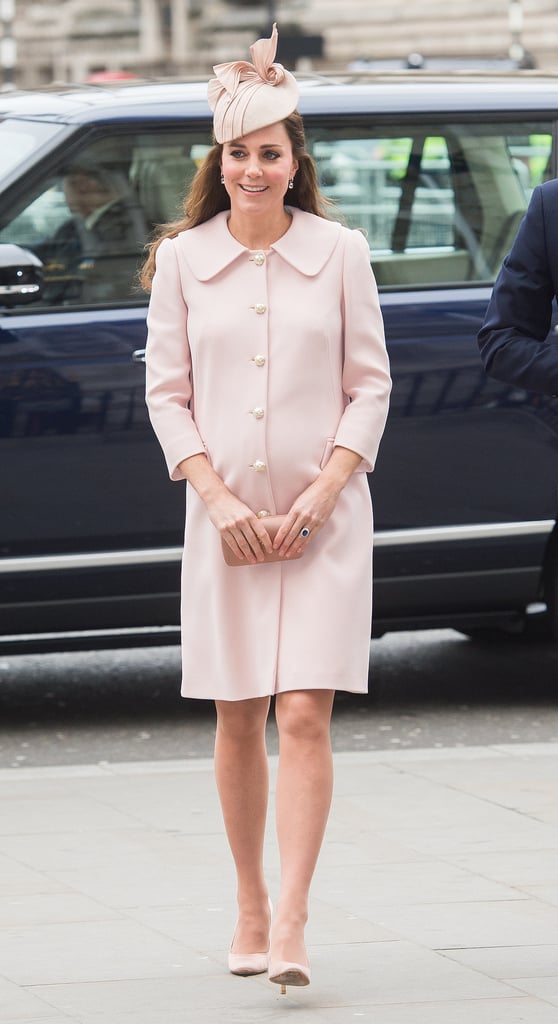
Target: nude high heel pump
{"x":283,"y":974}
{"x":246,"y":964}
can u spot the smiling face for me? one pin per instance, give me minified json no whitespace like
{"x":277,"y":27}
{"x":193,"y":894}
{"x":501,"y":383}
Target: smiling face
{"x":257,"y":169}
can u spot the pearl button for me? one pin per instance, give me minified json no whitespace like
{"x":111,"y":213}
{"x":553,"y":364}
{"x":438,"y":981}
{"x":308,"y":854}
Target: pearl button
{"x":258,"y":412}
{"x":259,"y":259}
{"x":260,"y":308}
{"x":259,"y":360}
{"x":263,"y":513}
{"x":259,"y":466}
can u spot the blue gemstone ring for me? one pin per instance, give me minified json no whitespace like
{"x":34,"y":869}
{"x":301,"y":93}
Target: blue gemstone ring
{"x":305,"y":532}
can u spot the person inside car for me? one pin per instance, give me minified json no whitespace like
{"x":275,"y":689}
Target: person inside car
{"x":94,"y":253}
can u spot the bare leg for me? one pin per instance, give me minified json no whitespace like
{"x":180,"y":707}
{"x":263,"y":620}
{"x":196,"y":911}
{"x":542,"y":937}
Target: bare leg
{"x":304,"y":789}
{"x":242,"y":776}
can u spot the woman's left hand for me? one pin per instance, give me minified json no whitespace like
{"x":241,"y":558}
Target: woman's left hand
{"x":309,"y":512}
{"x":313,"y":507}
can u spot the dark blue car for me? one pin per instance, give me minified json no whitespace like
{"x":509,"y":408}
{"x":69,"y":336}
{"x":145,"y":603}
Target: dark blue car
{"x":438,"y":172}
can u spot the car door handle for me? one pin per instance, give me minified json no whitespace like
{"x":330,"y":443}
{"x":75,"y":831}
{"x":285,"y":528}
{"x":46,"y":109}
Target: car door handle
{"x":139,"y":355}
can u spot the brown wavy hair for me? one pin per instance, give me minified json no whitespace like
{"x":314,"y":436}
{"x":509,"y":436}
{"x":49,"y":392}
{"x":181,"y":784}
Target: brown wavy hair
{"x":207,"y":196}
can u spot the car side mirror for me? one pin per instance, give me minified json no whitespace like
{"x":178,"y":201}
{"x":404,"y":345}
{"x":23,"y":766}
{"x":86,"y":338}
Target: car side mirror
{"x":21,"y":275}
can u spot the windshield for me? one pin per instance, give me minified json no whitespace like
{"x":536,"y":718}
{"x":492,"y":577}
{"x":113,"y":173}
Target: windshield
{"x":20,"y":139}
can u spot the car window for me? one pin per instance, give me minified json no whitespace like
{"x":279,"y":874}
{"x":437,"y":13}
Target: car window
{"x":89,"y":218}
{"x":440,"y":204}
{"x":20,"y":139}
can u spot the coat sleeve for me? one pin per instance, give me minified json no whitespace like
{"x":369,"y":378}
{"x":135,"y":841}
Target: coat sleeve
{"x":169,"y":365}
{"x":512,"y":340}
{"x":366,"y":378}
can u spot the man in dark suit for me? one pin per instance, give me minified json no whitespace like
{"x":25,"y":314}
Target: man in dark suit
{"x":513,"y":340}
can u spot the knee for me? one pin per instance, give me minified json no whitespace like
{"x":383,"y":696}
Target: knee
{"x":241,"y":720}
{"x":304,"y":716}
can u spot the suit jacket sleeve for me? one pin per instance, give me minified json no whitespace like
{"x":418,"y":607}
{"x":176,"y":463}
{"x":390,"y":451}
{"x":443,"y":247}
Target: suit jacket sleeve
{"x":366,"y":378}
{"x":513,"y":339}
{"x":168,"y":364}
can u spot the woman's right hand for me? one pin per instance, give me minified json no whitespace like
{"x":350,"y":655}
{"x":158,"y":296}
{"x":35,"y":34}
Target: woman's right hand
{"x":242,"y":530}
{"x":244,"y":533}
{"x":239,"y":527}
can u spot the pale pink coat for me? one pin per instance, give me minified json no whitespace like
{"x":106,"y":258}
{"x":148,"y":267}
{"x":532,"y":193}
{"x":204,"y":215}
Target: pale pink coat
{"x":265,"y":364}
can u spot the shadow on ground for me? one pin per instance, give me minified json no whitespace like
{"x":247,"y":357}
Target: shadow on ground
{"x":427,"y":689}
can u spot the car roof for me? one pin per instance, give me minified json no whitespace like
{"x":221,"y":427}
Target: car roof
{"x":351,"y":93}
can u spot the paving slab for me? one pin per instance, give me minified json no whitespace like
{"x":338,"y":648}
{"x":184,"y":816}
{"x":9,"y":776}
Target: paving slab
{"x":544,"y":988}
{"x":435,"y":898}
{"x":21,"y":1005}
{"x":508,"y":962}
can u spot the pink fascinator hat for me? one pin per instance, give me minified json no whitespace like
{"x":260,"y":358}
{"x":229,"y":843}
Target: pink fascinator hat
{"x":245,"y":97}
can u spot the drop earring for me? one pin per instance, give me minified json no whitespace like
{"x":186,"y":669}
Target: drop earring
{"x":291,"y":182}
{"x":222,"y":179}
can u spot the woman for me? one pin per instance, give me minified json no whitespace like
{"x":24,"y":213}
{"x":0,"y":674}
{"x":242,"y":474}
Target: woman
{"x":268,"y":385}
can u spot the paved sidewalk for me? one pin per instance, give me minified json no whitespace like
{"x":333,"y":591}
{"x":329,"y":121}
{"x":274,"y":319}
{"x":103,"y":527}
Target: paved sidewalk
{"x":435,"y":901}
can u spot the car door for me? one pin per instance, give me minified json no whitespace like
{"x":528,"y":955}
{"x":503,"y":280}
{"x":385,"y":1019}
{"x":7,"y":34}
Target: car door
{"x":466,"y":462}
{"x":82,"y":473}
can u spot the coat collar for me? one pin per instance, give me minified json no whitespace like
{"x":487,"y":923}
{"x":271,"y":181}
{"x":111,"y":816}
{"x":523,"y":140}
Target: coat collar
{"x":306,"y":246}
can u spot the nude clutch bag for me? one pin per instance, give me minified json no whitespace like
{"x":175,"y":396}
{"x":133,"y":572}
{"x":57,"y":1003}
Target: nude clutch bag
{"x":272,"y":524}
